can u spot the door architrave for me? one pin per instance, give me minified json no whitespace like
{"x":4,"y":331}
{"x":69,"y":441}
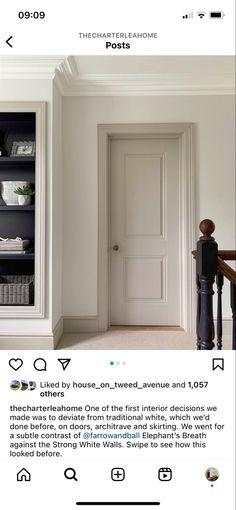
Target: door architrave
{"x":184,"y":133}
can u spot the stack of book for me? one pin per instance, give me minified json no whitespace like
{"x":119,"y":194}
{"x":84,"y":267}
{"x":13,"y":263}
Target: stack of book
{"x":14,"y":246}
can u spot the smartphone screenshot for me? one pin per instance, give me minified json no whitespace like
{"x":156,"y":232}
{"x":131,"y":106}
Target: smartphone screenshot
{"x":117,"y":255}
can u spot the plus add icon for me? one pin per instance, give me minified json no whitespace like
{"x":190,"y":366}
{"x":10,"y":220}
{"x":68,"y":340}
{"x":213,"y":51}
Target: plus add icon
{"x":118,"y":474}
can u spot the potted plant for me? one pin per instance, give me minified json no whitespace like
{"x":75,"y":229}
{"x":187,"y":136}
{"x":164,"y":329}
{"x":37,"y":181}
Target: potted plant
{"x":24,"y":194}
{"x":8,"y":191}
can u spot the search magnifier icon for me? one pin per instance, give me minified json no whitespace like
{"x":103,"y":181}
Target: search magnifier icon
{"x":70,"y":474}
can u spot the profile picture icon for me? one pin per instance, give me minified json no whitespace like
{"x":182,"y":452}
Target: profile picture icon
{"x":15,"y":385}
{"x":32,"y":385}
{"x":212,"y":474}
{"x":24,"y":385}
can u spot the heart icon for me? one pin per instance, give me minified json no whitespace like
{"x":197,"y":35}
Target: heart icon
{"x":15,"y":363}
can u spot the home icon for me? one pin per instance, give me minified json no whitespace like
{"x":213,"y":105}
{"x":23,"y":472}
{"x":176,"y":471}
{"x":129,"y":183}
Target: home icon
{"x":23,"y":476}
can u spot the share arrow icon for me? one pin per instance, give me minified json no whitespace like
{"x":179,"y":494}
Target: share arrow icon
{"x":64,"y":362}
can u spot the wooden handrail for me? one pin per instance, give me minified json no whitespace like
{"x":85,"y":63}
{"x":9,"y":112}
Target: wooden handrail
{"x":227,"y":271}
{"x":224,"y":268}
{"x":223,"y":254}
{"x":227,"y":254}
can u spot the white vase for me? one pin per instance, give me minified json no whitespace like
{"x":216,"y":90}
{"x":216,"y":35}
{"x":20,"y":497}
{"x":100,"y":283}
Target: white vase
{"x":24,"y":199}
{"x":8,"y":191}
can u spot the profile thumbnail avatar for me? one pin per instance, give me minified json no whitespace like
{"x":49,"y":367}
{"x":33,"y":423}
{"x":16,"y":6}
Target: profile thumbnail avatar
{"x":212,"y":474}
{"x":15,"y":385}
{"x":32,"y":385}
{"x":22,"y":385}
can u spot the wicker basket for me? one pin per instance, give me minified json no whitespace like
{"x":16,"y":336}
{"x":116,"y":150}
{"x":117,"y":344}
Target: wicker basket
{"x":16,"y":290}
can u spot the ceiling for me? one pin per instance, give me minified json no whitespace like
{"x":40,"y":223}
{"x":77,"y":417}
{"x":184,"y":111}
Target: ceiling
{"x":154,"y":65}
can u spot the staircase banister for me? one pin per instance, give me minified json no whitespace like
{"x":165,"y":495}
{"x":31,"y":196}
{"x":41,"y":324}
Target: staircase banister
{"x":227,"y":254}
{"x":226,"y":271}
{"x":223,"y":254}
{"x":211,"y":269}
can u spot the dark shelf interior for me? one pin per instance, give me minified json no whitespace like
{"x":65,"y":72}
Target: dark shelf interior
{"x":17,"y":221}
{"x":17,"y":159}
{"x":17,"y":256}
{"x":17,"y":208}
{"x":14,"y":265}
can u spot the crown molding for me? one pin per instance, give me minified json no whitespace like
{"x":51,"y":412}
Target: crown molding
{"x":65,"y":73}
{"x":31,"y":67}
{"x":72,"y":83}
{"x":149,"y":85}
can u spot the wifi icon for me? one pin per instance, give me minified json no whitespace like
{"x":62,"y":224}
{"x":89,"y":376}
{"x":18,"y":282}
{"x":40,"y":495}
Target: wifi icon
{"x":201,"y":14}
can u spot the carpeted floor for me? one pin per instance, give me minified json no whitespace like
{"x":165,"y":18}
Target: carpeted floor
{"x":132,"y":340}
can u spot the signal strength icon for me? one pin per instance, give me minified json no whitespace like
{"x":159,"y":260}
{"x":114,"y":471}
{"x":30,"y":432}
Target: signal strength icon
{"x":201,"y":14}
{"x":187,"y":16}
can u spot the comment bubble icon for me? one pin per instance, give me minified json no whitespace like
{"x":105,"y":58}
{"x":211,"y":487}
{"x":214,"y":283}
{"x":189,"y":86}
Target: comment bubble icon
{"x":40,"y":365}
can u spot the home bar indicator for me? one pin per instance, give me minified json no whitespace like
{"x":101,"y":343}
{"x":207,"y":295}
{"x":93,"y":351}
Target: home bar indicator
{"x":121,"y":503}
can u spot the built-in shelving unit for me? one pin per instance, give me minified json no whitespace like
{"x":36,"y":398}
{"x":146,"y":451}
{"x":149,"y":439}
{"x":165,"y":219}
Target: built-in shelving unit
{"x":17,"y":220}
{"x":17,"y":159}
{"x":18,"y":256}
{"x":17,"y":208}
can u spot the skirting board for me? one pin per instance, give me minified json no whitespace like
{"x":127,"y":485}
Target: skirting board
{"x":69,"y":325}
{"x":37,"y":341}
{"x":26,"y":342}
{"x":58,"y":332}
{"x":91,"y":325}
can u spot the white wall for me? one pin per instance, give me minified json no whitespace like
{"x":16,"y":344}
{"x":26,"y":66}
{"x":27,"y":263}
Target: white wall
{"x":213,"y":117}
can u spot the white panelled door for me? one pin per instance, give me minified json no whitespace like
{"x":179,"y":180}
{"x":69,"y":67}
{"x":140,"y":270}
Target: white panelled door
{"x":144,"y":231}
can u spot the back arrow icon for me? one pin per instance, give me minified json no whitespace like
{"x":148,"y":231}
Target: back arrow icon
{"x":7,"y":41}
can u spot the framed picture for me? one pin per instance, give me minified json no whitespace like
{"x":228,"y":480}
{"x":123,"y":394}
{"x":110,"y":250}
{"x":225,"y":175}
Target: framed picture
{"x":24,"y":149}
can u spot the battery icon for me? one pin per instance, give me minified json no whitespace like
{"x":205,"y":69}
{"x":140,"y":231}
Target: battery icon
{"x":216,"y":14}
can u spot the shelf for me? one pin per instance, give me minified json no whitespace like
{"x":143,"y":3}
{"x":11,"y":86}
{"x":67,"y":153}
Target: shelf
{"x":17,"y":207}
{"x":18,"y":256}
{"x":18,"y":220}
{"x":17,"y":159}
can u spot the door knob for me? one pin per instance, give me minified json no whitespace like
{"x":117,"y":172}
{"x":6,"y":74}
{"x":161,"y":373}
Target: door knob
{"x":115,"y":247}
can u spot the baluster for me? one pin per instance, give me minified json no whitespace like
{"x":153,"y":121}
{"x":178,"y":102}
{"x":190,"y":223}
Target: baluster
{"x":233,"y":306}
{"x":207,"y":261}
{"x":198,"y":312}
{"x":219,"y":283}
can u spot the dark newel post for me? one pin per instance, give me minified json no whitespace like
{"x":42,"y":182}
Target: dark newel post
{"x":198,"y":312}
{"x":219,"y":283}
{"x":207,"y":262}
{"x":233,"y":306}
